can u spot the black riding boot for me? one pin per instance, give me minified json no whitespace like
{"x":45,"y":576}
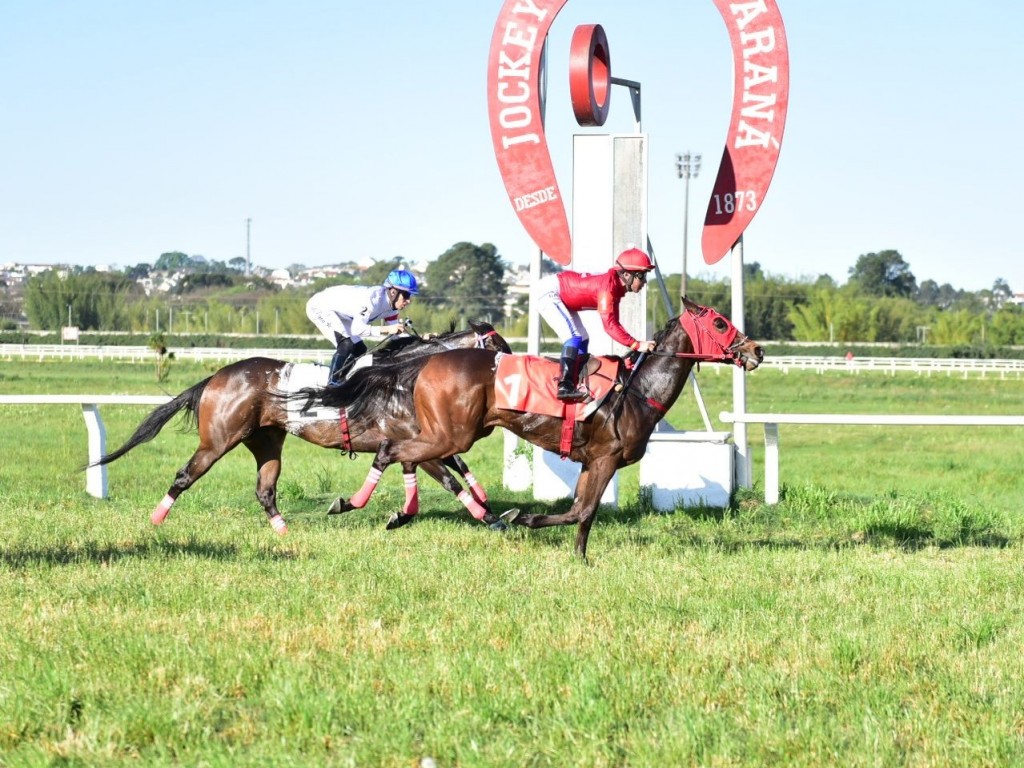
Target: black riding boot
{"x":339,"y":362}
{"x":568,"y":391}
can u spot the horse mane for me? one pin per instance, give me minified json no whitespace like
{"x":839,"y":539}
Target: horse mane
{"x":394,"y":346}
{"x":660,"y":335}
{"x":373,"y":391}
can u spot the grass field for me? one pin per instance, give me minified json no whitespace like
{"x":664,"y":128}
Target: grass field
{"x":872,"y":618}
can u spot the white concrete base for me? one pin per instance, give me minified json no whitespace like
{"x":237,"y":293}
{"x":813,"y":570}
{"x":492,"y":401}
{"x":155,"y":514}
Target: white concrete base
{"x":518,"y":473}
{"x":555,"y":478}
{"x":687,"y":469}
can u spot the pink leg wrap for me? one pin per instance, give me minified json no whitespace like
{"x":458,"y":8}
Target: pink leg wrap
{"x":475,"y":488}
{"x":363,"y":494}
{"x":278,"y":524}
{"x":474,"y":507}
{"x":412,"y":495}
{"x":160,"y":513}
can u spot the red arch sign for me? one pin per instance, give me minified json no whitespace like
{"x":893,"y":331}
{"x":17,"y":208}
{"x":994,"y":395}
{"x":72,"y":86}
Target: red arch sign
{"x":760,"y":102}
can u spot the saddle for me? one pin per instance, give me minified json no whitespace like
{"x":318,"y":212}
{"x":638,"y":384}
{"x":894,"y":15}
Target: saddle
{"x":529,"y":384}
{"x":591,"y":365}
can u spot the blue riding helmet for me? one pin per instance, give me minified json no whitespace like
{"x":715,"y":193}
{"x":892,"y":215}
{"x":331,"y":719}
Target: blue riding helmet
{"x":402,"y":280}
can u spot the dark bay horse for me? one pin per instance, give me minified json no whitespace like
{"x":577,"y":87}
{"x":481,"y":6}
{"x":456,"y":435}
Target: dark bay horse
{"x":247,"y":402}
{"x":454,"y":398}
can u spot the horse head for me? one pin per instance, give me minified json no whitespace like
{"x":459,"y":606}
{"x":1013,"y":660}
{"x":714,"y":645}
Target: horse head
{"x":488,"y":338}
{"x":714,"y":338}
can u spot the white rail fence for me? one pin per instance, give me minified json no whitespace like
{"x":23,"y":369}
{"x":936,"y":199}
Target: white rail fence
{"x":95,"y":477}
{"x":821,"y":364}
{"x":771,"y":422}
{"x":928,"y":366}
{"x":145,"y":354}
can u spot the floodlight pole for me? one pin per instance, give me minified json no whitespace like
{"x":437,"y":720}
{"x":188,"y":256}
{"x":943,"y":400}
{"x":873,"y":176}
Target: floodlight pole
{"x":687,"y":166}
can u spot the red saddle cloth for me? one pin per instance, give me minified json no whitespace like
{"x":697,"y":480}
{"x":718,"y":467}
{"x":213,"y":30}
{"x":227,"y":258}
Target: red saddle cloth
{"x":530,"y":384}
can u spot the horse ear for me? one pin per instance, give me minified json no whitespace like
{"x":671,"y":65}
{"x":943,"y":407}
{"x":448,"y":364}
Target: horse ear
{"x":691,"y":305}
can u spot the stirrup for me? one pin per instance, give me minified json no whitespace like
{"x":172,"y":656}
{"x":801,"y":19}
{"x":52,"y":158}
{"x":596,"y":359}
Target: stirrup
{"x":566,"y":395}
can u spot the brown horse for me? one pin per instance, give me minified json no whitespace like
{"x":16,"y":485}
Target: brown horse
{"x":246,"y":402}
{"x":454,"y":398}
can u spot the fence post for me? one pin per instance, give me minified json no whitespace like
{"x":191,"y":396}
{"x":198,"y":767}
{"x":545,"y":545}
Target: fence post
{"x":95,"y":476}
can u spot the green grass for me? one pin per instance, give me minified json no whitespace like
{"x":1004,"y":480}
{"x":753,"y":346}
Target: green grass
{"x":872,"y":618}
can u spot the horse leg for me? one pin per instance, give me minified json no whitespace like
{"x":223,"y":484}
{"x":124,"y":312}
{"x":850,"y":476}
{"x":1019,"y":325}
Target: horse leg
{"x":478,"y":507}
{"x":412,"y":499}
{"x":362,"y":496}
{"x":197,"y":466}
{"x":265,"y":446}
{"x":436,"y":469}
{"x":594,"y":478}
{"x":421,"y":451}
{"x":456,"y":462}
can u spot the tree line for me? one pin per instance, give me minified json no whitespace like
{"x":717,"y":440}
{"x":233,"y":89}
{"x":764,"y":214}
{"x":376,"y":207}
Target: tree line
{"x":880,"y":302}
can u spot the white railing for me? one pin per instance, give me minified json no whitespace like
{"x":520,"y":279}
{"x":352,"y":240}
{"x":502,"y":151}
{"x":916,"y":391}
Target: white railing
{"x":771,"y":423}
{"x":95,"y":477}
{"x":140,"y":354}
{"x":947,"y":366}
{"x":821,"y":364}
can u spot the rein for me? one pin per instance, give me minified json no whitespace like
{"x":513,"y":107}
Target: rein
{"x":700,"y":337}
{"x":481,"y":338}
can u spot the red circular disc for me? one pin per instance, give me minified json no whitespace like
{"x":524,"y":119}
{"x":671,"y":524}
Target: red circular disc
{"x":590,"y":74}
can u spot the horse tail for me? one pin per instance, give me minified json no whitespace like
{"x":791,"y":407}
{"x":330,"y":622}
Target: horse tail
{"x":150,"y":427}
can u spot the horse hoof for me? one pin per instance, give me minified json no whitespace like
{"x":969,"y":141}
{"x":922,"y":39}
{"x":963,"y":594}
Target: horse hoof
{"x":511,"y":515}
{"x":498,"y":525}
{"x":158,"y":516}
{"x":339,"y":506}
{"x":397,"y":520}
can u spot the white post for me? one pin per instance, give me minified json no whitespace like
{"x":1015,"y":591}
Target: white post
{"x":771,"y":463}
{"x":532,"y":317}
{"x":95,"y":477}
{"x":515,"y":463}
{"x":739,"y":376}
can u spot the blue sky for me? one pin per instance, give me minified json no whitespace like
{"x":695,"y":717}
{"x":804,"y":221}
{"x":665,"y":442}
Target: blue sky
{"x":347,"y":131}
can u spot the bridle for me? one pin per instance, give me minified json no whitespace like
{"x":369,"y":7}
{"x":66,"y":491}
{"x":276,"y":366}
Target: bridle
{"x":709,"y":346}
{"x":481,"y":339}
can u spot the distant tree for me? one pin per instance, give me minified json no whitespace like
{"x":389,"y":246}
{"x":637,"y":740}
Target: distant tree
{"x":752,"y":272}
{"x":172,"y":261}
{"x":928,"y":293}
{"x":137,"y":272}
{"x":945,"y":296}
{"x":547,"y":266}
{"x":824,"y":282}
{"x":1007,"y":325}
{"x":199,"y":280}
{"x":883,"y":274}
{"x":956,"y":328}
{"x":238,"y":264}
{"x":469,"y":279}
{"x":163,"y":358}
{"x":97,"y":300}
{"x":1001,"y":293}
{"x":832,"y":315}
{"x":376,"y":273}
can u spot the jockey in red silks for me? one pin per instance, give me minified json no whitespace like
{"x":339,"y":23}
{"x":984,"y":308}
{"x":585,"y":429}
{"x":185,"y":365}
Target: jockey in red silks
{"x":562,"y":296}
